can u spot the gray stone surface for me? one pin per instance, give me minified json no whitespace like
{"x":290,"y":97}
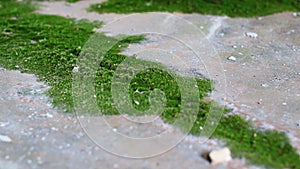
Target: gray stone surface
{"x":262,"y":85}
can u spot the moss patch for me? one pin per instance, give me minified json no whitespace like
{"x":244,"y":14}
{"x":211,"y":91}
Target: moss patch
{"x":49,"y":46}
{"x":232,"y":8}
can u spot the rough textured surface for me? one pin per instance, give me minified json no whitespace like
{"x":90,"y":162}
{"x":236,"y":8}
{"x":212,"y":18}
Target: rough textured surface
{"x":262,"y":85}
{"x":43,"y":138}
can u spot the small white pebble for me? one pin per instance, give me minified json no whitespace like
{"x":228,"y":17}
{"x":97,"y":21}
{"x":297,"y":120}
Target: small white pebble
{"x":29,"y":161}
{"x":251,"y":34}
{"x":136,"y":102}
{"x":14,"y":18}
{"x":231,"y":58}
{"x":4,"y":124}
{"x":116,"y":166}
{"x":48,"y":115}
{"x":264,"y":85}
{"x":284,"y":103}
{"x":33,"y":41}
{"x":5,"y":139}
{"x":295,"y":14}
{"x":54,"y":128}
{"x":39,"y":160}
{"x":114,"y":129}
{"x":75,"y":69}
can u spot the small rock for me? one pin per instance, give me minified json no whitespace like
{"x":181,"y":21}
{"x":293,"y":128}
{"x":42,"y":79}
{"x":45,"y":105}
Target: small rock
{"x":264,"y":85}
{"x":4,"y":124}
{"x":220,"y":156}
{"x":5,"y":138}
{"x":39,"y":160}
{"x":54,"y":129}
{"x":232,"y":58}
{"x":295,"y":14}
{"x":29,"y":161}
{"x":33,"y":41}
{"x":48,"y":115}
{"x":14,"y":18}
{"x":251,"y":34}
{"x":136,"y":102}
{"x":7,"y":157}
{"x":284,"y":103}
{"x":116,"y":166}
{"x":75,"y":69}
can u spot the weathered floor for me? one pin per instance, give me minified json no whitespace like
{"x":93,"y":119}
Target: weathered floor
{"x":262,"y":84}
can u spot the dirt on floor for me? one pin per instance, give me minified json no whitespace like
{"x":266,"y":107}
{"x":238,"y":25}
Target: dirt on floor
{"x":254,"y":63}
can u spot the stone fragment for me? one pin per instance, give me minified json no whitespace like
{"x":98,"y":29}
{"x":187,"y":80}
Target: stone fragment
{"x":5,"y":138}
{"x":232,"y":58}
{"x":295,"y":14}
{"x":251,"y":34}
{"x":220,"y":156}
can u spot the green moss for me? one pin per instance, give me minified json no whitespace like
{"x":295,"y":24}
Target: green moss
{"x":49,"y":46}
{"x":270,"y":148}
{"x":60,"y":0}
{"x":232,"y":8}
{"x":45,"y":45}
